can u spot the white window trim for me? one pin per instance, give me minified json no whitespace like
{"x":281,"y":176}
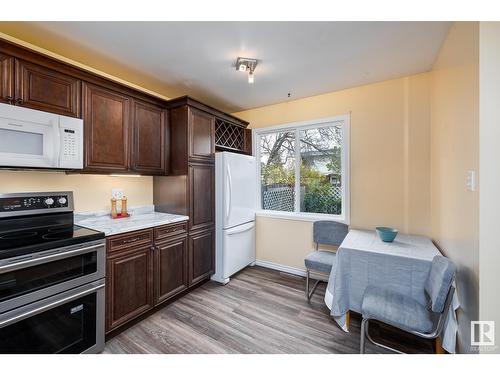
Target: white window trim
{"x":345,"y":168}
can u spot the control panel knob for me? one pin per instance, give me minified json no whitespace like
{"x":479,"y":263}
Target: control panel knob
{"x":62,"y":200}
{"x":49,"y":201}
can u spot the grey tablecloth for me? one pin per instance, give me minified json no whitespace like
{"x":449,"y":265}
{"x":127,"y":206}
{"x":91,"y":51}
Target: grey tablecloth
{"x":402,"y":266}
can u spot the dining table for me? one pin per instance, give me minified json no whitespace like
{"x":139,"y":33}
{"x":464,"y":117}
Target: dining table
{"x":401,"y":266}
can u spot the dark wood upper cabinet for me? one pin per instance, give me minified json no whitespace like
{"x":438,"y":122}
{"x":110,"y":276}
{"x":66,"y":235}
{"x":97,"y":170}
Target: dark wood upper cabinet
{"x":149,"y":151}
{"x":106,"y":119}
{"x":6,"y":79}
{"x":171,"y":268}
{"x":201,"y":180}
{"x":201,"y":255}
{"x":129,"y":286}
{"x":45,"y":89}
{"x":247,"y":147}
{"x":201,"y":129}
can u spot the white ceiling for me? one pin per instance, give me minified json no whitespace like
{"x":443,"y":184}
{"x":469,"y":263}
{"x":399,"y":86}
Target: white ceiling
{"x":301,"y":58}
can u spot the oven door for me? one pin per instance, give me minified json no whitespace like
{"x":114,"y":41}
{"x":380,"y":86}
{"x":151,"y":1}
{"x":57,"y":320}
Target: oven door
{"x":28,"y":138}
{"x":36,"y":276}
{"x":71,"y":322}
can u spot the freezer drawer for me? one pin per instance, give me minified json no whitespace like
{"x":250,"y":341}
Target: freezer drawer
{"x":238,"y":246}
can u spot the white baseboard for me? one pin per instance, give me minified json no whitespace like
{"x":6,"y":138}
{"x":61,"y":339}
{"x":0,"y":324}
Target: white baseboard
{"x":288,"y":269}
{"x":280,"y":267}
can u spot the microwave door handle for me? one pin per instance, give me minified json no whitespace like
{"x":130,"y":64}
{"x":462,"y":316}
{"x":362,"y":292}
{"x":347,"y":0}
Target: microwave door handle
{"x":58,"y":145}
{"x":48,"y":306}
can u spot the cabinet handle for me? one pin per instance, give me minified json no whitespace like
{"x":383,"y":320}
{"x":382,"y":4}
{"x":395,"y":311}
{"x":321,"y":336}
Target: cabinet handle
{"x":19,"y":101}
{"x":10,"y":99}
{"x":131,"y":240}
{"x":152,"y":248}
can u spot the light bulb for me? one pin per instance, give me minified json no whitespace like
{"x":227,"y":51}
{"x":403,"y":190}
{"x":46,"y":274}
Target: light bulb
{"x":251,"y":77}
{"x":242,"y":68}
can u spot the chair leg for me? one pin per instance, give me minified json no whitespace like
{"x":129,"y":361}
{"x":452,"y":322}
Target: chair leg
{"x":307,"y":285}
{"x":364,"y":325}
{"x":366,"y":333}
{"x":311,"y":292}
{"x":439,"y":346}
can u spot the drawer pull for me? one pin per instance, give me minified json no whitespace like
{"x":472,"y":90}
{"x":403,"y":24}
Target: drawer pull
{"x":131,"y":240}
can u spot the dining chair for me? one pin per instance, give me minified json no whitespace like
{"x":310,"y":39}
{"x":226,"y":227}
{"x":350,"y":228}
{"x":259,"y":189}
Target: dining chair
{"x":329,"y":233}
{"x":404,"y":312}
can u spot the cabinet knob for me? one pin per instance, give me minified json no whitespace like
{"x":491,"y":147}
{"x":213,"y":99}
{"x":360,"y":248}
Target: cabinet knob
{"x":152,"y":248}
{"x":9,"y":99}
{"x":19,"y":101}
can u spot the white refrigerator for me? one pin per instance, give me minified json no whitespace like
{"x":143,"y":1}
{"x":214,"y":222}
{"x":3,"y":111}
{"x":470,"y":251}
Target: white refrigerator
{"x":235,"y":202}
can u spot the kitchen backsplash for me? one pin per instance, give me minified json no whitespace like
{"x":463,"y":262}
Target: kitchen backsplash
{"x":91,"y":192}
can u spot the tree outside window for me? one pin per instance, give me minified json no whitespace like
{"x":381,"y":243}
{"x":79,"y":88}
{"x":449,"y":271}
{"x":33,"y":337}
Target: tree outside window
{"x":319,"y":174}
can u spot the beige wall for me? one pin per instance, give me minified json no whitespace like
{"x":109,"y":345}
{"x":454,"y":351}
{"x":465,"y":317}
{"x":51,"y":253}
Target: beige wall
{"x":91,"y":192}
{"x":489,"y":254}
{"x":389,"y":154}
{"x":454,"y":151}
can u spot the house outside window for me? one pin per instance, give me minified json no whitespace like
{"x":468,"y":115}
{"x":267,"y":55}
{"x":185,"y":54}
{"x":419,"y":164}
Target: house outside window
{"x":303,"y":169}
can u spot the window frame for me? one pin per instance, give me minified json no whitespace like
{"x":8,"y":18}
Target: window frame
{"x":296,"y":127}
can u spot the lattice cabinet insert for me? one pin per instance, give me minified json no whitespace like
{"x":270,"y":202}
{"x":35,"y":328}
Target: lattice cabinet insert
{"x":229,"y":136}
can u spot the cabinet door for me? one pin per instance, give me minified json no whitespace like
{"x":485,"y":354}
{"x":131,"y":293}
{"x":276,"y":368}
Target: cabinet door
{"x":201,"y":128}
{"x":129,"y":286}
{"x":148,"y":153}
{"x":6,"y":78}
{"x":247,"y":147}
{"x":202,"y":196}
{"x":44,"y":89}
{"x":201,"y":255}
{"x":171,"y":271}
{"x":106,"y":124}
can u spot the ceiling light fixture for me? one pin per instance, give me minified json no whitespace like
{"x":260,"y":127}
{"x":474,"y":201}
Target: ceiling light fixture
{"x":245,"y":64}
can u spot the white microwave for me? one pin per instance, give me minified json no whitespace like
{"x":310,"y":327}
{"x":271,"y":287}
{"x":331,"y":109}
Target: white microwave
{"x":36,"y":139}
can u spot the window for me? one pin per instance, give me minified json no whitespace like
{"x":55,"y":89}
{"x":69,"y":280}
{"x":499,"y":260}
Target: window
{"x":303,"y":169}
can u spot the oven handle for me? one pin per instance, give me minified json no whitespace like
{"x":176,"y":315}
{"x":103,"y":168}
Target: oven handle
{"x":48,"y":306}
{"x":48,"y":258}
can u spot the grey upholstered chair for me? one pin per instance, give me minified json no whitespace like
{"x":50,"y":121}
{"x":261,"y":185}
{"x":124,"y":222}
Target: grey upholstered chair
{"x":405,"y":313}
{"x":326,"y":233}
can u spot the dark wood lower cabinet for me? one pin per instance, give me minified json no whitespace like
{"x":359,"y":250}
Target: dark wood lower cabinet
{"x":171,"y":271}
{"x":201,"y":255}
{"x":129,"y":288}
{"x":148,"y":267}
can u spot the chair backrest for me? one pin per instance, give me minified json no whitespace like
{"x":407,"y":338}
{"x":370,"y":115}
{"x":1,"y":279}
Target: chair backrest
{"x":329,"y":232}
{"x":439,"y":281}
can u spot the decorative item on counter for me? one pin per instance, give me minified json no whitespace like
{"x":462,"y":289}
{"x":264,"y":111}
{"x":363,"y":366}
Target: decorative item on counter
{"x":114,"y":212}
{"x":124,"y":207}
{"x":113,"y":208}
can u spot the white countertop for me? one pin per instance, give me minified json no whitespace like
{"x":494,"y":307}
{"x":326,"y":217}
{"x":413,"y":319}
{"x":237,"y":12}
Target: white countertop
{"x":140,"y":218}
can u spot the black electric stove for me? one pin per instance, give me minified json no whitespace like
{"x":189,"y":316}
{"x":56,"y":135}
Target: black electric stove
{"x":33,"y":222}
{"x":52,"y":277}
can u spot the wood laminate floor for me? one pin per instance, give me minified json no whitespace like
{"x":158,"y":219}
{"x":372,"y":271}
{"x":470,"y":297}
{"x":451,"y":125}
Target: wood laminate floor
{"x":259,"y":311}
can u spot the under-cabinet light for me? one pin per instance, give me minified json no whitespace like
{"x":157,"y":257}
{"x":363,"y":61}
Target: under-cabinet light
{"x":124,"y":175}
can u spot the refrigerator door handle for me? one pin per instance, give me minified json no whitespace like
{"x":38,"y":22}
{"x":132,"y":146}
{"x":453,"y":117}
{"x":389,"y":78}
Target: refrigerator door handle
{"x":240,"y":229}
{"x":229,"y":193}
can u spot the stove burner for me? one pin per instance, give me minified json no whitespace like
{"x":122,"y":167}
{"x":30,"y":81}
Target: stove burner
{"x":57,"y":234}
{"x":18,"y":235}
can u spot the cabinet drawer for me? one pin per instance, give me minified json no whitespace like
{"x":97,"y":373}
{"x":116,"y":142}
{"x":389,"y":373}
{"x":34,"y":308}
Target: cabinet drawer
{"x":170,"y":230}
{"x":124,"y":241}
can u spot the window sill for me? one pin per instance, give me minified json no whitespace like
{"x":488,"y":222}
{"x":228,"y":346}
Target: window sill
{"x":300,"y":216}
